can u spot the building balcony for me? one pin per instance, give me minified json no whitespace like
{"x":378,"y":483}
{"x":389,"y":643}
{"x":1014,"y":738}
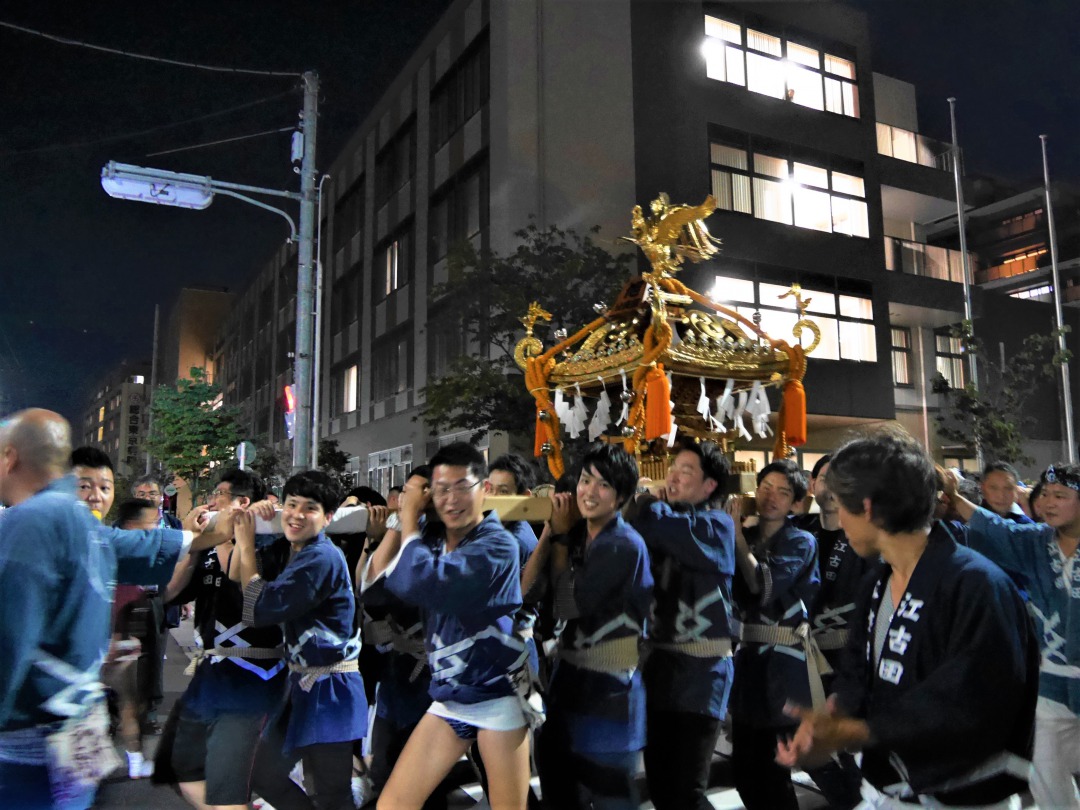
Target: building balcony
{"x":1015,"y":266}
{"x":917,"y":259}
{"x":912,"y":147}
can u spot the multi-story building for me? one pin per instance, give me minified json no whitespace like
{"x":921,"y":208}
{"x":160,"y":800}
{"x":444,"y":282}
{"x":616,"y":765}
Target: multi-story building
{"x":571,"y":113}
{"x":116,"y":418}
{"x":189,"y":332}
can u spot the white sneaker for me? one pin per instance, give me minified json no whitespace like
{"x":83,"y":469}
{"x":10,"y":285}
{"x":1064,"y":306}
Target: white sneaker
{"x":363,"y":790}
{"x":138,"y":767}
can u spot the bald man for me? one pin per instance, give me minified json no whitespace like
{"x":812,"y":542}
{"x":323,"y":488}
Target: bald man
{"x":58,"y":567}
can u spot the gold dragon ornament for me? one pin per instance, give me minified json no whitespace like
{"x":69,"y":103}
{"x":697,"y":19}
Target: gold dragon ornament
{"x":652,"y":330}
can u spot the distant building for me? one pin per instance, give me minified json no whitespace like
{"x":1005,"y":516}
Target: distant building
{"x":571,"y":113}
{"x":188,"y":332}
{"x":116,"y":418}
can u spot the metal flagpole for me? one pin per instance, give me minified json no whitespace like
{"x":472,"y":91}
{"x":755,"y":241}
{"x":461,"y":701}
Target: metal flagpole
{"x":961,"y":224}
{"x":1070,"y":440}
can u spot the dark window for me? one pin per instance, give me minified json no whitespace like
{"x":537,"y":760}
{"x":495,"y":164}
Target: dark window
{"x":459,"y":212}
{"x":396,"y":163}
{"x":460,"y":93}
{"x":390,"y":369}
{"x":349,"y":216}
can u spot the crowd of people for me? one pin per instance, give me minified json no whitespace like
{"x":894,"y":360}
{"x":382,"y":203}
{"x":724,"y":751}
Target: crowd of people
{"x":905,"y":641}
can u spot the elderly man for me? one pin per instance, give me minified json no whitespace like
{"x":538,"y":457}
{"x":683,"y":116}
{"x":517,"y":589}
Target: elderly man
{"x":58,"y":567}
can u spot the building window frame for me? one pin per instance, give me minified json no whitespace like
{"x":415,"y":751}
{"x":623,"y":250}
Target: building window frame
{"x":902,"y":373}
{"x":845,"y":319}
{"x":767,"y":181}
{"x":780,"y":67}
{"x":949,"y":358}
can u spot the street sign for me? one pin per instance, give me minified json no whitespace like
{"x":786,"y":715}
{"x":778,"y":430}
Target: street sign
{"x":170,"y":490}
{"x":245,"y":453}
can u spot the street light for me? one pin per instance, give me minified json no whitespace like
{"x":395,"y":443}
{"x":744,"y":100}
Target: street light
{"x":160,"y":187}
{"x":195,"y":191}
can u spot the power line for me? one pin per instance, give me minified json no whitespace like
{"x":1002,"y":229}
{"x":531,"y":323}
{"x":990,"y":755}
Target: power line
{"x":127,"y":135}
{"x":145,"y":57}
{"x":222,"y":140}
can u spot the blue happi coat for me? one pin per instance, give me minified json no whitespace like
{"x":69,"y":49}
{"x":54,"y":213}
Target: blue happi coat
{"x":842,"y":570}
{"x":956,"y":680}
{"x":604,"y":595}
{"x":468,"y":598}
{"x":768,"y":676}
{"x":312,"y":599}
{"x":1030,"y":551}
{"x":58,"y":568}
{"x":693,"y":562}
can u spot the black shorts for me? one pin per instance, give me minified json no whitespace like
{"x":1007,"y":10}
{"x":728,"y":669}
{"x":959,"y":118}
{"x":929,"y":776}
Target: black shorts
{"x":220,"y":752}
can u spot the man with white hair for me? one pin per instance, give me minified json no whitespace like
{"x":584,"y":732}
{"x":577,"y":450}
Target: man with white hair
{"x":58,"y":568}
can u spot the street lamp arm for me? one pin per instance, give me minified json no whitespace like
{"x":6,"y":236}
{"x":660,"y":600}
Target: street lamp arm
{"x":245,"y":198}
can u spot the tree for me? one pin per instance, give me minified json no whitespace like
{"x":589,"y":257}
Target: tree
{"x":334,"y":462}
{"x":486,"y":295}
{"x":995,"y":415}
{"x":191,"y":431}
{"x":269,"y":464}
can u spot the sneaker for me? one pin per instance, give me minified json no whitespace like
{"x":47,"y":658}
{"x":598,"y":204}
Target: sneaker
{"x":138,"y":767}
{"x":363,"y":790}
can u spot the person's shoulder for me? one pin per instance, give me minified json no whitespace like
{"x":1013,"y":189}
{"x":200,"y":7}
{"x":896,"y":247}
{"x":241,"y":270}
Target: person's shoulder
{"x":794,"y":533}
{"x":620,"y":533}
{"x":972,"y":571}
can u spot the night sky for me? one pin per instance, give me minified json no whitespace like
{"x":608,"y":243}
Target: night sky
{"x":80,"y":272}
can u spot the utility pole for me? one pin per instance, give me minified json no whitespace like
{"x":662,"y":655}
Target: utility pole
{"x":305,"y":290}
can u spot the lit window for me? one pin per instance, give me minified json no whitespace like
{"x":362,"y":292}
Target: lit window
{"x":949,"y":351}
{"x":781,"y":69}
{"x":901,"y":356}
{"x":351,"y":390}
{"x":790,"y":192}
{"x":391,"y":266}
{"x":845,"y":321}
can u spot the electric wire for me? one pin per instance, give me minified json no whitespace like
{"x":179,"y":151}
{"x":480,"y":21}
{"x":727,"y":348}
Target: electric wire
{"x":146,"y":57}
{"x":139,"y":133}
{"x":220,"y":141}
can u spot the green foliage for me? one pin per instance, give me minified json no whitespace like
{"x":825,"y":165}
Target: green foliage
{"x":189,"y":433}
{"x":269,"y":464}
{"x":487,"y":294}
{"x":995,"y":413}
{"x":334,"y":462}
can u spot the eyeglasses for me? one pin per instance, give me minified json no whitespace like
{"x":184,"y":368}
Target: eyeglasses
{"x":221,"y":493}
{"x":147,"y":494}
{"x":460,"y":488}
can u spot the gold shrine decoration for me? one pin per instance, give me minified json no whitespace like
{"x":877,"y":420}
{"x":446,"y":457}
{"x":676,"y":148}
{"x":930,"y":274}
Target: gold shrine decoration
{"x":651,"y":330}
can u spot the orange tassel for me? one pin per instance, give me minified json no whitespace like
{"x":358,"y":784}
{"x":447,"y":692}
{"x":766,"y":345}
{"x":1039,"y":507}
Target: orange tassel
{"x":657,"y":403}
{"x":794,"y":423}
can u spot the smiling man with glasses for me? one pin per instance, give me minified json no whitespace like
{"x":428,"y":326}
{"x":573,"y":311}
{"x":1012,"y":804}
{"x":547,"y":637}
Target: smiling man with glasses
{"x":464,"y":572}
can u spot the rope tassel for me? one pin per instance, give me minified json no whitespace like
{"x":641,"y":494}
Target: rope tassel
{"x":794,"y":412}
{"x":657,"y":403}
